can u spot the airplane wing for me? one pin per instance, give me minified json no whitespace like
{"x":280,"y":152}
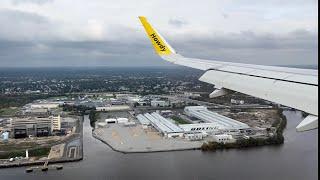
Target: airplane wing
{"x":292,"y":87}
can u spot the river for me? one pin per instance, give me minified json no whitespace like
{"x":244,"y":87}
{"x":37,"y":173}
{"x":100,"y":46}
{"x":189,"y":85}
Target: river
{"x":296,"y":159}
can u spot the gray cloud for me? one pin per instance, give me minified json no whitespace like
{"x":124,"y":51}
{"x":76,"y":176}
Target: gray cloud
{"x":18,"y":25}
{"x":177,"y":22}
{"x":299,"y":39}
{"x":33,"y":39}
{"x":298,"y":47}
{"x":39,"y":2}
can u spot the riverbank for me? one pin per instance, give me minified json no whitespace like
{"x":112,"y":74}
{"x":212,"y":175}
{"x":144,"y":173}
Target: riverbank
{"x":41,"y":162}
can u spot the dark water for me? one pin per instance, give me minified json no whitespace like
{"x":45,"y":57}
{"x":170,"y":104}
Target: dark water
{"x":296,"y":159}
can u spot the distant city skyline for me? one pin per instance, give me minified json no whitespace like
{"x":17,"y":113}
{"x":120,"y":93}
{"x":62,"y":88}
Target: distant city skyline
{"x":58,"y":33}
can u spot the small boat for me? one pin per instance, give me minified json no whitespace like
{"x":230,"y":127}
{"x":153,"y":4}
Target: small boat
{"x":28,"y":170}
{"x":59,"y":167}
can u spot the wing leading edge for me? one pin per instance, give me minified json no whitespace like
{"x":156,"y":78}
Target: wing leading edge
{"x":292,"y":87}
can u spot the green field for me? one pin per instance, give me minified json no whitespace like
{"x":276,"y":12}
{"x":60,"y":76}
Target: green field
{"x":179,"y":120}
{"x":39,"y":152}
{"x":8,"y":111}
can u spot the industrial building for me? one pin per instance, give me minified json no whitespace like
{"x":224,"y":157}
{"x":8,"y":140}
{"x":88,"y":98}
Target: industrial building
{"x":219,"y":127}
{"x":223,"y":138}
{"x":35,"y":126}
{"x":143,"y":121}
{"x":159,"y":103}
{"x":162,"y":124}
{"x":113,"y":108}
{"x":111,"y":120}
{"x":37,"y":111}
{"x":45,"y":105}
{"x":195,"y":136}
{"x":116,"y":120}
{"x":4,"y":136}
{"x":200,"y":127}
{"x":220,"y":121}
{"x":56,"y":123}
{"x":67,"y":122}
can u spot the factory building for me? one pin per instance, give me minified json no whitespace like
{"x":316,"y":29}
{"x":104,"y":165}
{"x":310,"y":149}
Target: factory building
{"x":37,"y":111}
{"x":24,"y":127}
{"x":143,"y":121}
{"x":50,"y":105}
{"x":162,"y":124}
{"x":200,"y":127}
{"x":56,"y":123}
{"x":220,"y":121}
{"x":35,"y":126}
{"x":195,"y":136}
{"x":4,"y":136}
{"x":116,"y":120}
{"x":111,"y":120}
{"x":113,"y":108}
{"x":159,"y":103}
{"x":67,"y":122}
{"x":223,"y":138}
{"x":122,"y":120}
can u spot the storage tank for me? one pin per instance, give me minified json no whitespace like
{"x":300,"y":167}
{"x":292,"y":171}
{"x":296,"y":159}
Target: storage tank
{"x":5,"y":136}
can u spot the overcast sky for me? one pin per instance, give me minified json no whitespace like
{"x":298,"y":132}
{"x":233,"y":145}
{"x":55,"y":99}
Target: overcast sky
{"x":36,"y":33}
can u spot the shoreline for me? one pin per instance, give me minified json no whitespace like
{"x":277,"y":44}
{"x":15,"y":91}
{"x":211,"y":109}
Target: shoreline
{"x":13,"y":165}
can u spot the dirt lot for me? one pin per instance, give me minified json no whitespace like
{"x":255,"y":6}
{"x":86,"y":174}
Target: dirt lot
{"x":254,"y":117}
{"x":136,"y":139}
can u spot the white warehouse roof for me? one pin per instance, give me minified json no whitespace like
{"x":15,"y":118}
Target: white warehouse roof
{"x":204,"y":114}
{"x":143,"y":120}
{"x":162,"y":124}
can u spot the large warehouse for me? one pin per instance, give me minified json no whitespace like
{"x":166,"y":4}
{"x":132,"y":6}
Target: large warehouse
{"x":223,"y":122}
{"x":213,"y":123}
{"x":162,"y":124}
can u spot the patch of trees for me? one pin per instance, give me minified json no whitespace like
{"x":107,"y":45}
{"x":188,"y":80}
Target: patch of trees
{"x":19,"y":100}
{"x":93,"y":116}
{"x":243,"y":143}
{"x":78,"y":110}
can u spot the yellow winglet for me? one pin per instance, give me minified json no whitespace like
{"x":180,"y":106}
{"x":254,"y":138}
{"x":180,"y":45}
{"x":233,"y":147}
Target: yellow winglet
{"x":159,"y":43}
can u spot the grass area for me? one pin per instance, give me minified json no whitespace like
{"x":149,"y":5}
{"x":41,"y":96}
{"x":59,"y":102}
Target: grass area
{"x":42,"y":151}
{"x":179,"y":120}
{"x":8,"y":111}
{"x":14,"y":147}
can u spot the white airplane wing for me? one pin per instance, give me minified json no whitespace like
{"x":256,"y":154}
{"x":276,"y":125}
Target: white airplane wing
{"x":292,"y":87}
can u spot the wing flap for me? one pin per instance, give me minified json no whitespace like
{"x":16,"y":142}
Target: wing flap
{"x":295,"y":95}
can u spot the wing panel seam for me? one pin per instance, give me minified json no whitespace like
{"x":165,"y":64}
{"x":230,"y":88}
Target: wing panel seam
{"x":277,"y":79}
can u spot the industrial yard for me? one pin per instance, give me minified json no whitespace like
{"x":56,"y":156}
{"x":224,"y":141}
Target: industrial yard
{"x":136,"y":139}
{"x":145,"y":130}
